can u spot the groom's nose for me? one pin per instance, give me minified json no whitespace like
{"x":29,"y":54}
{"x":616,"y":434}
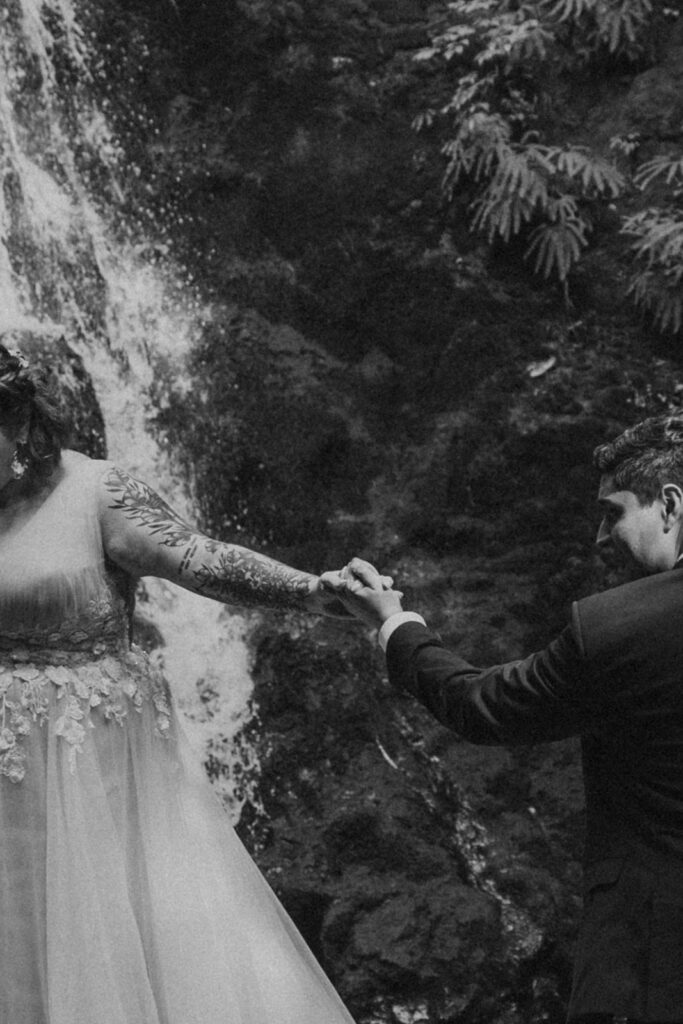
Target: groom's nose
{"x":605,"y":545}
{"x":603,"y":537}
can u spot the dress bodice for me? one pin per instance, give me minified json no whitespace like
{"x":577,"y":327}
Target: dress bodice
{"x":65,"y":655}
{"x":56,"y":590}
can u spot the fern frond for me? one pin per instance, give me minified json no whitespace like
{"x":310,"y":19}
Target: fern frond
{"x":562,"y":209}
{"x":619,"y":22}
{"x":471,"y":89}
{"x":652,"y":292}
{"x":426,"y":53}
{"x":425,"y":119}
{"x":659,"y":237}
{"x":514,"y":193}
{"x":557,"y":247}
{"x":501,"y":215}
{"x":592,"y":173}
{"x":455,"y":41}
{"x":658,"y":247}
{"x":514,"y":38}
{"x":476,"y":149}
{"x":674,"y":273}
{"x":667,"y":167}
{"x":515,"y":173}
{"x":566,"y":10}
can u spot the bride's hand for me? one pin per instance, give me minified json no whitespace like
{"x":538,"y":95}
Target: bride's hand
{"x":359,"y":571}
{"x":327,"y":590}
{"x":368,"y":595}
{"x":322,"y":598}
{"x":336,"y":588}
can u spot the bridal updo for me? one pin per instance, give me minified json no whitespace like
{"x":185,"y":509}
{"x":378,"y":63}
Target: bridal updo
{"x":25,"y":400}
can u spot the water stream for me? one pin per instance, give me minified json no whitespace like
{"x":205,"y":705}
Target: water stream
{"x":68,"y":270}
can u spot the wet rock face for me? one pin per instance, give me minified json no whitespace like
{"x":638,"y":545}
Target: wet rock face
{"x":71,"y":384}
{"x":272,"y":433}
{"x":434,"y":880}
{"x":654,"y":105}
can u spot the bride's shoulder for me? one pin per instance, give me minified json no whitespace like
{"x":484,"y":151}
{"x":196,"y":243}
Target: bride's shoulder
{"x":77,"y":462}
{"x":80,"y":471}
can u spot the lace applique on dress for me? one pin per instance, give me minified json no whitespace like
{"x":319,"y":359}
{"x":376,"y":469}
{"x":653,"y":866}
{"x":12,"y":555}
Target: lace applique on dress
{"x":112,"y":684}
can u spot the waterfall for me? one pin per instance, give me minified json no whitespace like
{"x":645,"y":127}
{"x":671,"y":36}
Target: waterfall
{"x":67,"y":269}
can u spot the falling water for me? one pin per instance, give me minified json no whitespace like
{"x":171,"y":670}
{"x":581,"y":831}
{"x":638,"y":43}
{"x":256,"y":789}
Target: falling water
{"x":64,"y":271}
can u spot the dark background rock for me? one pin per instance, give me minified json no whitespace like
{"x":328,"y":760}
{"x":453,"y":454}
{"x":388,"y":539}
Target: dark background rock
{"x":432,"y":879}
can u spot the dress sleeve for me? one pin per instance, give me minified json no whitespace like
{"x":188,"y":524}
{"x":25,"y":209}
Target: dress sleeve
{"x":547,"y":696}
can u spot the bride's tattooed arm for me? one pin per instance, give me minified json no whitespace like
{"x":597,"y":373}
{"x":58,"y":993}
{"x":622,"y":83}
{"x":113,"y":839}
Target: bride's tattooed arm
{"x":146,"y":537}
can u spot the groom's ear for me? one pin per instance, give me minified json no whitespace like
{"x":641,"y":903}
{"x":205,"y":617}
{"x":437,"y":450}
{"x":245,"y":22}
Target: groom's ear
{"x":672,"y":505}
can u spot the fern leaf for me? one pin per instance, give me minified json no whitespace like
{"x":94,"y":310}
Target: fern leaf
{"x":426,"y":54}
{"x":660,"y":243}
{"x":593,"y":173}
{"x":557,"y":248}
{"x":666,"y":167}
{"x":471,"y":89}
{"x":501,"y":215}
{"x":567,"y":10}
{"x":425,"y":119}
{"x":652,"y":292}
{"x":562,"y":208}
{"x":620,"y":21}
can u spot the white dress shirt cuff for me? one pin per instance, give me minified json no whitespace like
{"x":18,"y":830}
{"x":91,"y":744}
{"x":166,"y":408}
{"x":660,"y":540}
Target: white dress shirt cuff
{"x":393,"y":622}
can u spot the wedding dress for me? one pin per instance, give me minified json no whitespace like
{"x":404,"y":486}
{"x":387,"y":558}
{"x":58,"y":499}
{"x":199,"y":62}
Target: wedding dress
{"x":125,"y":896}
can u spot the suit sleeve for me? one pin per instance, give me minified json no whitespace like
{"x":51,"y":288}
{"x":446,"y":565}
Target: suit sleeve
{"x":547,"y":696}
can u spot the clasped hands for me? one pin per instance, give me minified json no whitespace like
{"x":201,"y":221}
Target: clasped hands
{"x":363,"y":591}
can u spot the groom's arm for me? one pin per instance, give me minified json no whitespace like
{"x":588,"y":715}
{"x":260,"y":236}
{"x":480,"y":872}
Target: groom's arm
{"x":550,"y":695}
{"x":546,"y":696}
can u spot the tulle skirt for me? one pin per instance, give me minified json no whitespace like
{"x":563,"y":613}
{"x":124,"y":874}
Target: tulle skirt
{"x":125,"y":895}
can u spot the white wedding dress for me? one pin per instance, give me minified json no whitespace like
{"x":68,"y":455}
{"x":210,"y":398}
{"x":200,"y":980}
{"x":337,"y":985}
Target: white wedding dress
{"x":125,"y":896}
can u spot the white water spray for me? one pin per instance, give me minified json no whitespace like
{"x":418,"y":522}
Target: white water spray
{"x":51,"y":230}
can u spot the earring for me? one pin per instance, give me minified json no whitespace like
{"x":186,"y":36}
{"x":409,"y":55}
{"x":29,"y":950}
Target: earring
{"x":19,"y":465}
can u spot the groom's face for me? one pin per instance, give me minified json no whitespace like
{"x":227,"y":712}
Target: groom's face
{"x":631,"y":531}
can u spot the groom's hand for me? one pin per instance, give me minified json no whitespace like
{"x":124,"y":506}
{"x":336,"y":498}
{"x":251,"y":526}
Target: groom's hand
{"x":365,"y":592}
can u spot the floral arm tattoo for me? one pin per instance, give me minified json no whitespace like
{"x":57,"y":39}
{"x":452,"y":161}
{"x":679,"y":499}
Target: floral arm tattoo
{"x":226,"y":572}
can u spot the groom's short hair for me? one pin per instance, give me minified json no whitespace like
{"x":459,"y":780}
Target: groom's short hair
{"x":645,"y":457}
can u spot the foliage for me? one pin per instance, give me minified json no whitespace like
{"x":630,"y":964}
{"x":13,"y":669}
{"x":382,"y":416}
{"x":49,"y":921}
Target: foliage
{"x":613,"y":25}
{"x":530,"y":182}
{"x":506,"y":59}
{"x":279,"y":49}
{"x":657,"y":233}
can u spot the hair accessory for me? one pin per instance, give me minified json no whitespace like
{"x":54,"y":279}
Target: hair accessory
{"x":20,"y":358}
{"x":19,"y":465}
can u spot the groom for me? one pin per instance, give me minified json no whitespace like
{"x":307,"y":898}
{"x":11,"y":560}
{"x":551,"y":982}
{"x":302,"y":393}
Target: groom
{"x":614,"y":676}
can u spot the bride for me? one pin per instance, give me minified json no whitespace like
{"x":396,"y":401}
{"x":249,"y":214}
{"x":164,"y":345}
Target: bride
{"x":125,"y":896}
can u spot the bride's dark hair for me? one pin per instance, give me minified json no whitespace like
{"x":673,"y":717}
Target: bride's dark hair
{"x":26,"y":401}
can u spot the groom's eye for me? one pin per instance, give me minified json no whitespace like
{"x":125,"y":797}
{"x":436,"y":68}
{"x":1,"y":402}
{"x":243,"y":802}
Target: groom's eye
{"x":610,"y":514}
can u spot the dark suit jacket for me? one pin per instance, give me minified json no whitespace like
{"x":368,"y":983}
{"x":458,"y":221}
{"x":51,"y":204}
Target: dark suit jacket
{"x":614,"y":677}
